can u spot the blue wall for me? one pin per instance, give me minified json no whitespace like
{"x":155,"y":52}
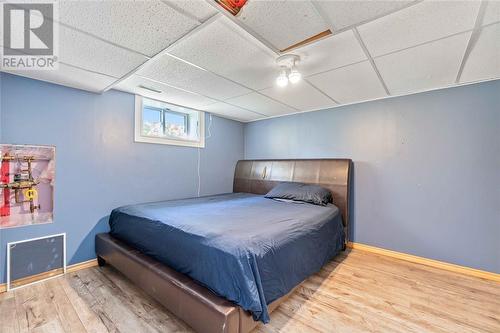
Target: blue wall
{"x":98,"y":166}
{"x":426,"y":168}
{"x":426,"y":178}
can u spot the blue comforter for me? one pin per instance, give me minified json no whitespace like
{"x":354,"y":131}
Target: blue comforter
{"x":244,"y":247}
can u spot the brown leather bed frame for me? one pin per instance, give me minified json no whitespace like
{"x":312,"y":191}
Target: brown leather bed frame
{"x":200,"y":308}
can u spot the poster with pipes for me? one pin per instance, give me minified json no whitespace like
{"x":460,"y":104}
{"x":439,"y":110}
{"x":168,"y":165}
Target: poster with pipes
{"x":27,"y":175}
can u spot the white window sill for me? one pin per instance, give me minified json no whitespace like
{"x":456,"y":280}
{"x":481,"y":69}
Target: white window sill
{"x":164,"y":141}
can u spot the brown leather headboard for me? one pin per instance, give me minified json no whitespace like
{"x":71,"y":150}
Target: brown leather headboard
{"x":260,"y":176}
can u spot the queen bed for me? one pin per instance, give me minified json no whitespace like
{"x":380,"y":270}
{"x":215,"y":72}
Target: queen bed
{"x":222,"y":263}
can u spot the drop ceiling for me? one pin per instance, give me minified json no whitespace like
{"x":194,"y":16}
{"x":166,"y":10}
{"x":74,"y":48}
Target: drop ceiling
{"x":193,"y":53}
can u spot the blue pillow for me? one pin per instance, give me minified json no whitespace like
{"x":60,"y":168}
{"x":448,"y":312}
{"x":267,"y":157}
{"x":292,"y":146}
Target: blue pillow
{"x":314,"y":194}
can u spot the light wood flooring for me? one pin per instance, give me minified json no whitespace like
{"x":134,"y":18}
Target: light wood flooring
{"x":356,"y":292}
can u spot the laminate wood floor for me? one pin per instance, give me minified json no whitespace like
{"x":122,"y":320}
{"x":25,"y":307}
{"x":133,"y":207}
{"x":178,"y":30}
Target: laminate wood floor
{"x":356,"y":292}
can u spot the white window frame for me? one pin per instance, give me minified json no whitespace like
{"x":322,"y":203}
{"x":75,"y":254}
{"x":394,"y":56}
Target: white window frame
{"x":139,"y":137}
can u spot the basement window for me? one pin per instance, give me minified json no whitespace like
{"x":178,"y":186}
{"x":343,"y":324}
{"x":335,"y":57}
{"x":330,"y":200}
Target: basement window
{"x":163,"y":123}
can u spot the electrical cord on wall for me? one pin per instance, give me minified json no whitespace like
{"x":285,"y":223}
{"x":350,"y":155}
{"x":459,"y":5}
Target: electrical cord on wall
{"x":209,"y":134}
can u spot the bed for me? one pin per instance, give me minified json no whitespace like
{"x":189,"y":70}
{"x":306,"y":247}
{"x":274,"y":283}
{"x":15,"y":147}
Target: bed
{"x":222,"y":263}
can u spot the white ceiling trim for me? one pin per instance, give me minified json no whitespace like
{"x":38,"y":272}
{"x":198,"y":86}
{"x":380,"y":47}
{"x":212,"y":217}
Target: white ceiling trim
{"x":162,"y":52}
{"x":370,"y":59}
{"x":378,"y":99}
{"x":476,"y":31}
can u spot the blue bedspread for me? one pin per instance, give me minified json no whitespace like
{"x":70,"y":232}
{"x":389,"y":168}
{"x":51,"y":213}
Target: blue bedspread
{"x":244,"y":247}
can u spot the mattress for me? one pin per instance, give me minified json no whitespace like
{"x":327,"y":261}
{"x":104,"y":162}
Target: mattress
{"x":246,"y":248}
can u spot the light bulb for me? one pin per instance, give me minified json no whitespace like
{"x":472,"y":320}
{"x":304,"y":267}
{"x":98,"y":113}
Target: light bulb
{"x":282,"y":79}
{"x":294,"y":75}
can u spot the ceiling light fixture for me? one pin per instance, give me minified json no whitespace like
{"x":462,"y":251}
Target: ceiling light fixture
{"x":282,"y":79}
{"x":294,"y":75}
{"x":288,"y":70}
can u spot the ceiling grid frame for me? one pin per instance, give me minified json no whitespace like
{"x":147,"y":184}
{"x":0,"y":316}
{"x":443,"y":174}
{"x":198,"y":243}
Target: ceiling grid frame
{"x":217,"y":100}
{"x":244,"y":27}
{"x":102,"y":39}
{"x":182,"y":12}
{"x":147,"y":57}
{"x":424,"y":43}
{"x":335,"y":68}
{"x":196,"y":29}
{"x":230,"y":80}
{"x":476,"y":31}
{"x":351,"y":27}
{"x":166,"y":3}
{"x":370,"y":59}
{"x":322,"y":92}
{"x":378,"y":98}
{"x":263,"y":116}
{"x":325,"y":18}
{"x":93,"y":36}
{"x":264,"y":43}
{"x":162,"y":52}
{"x":273,"y":50}
{"x":88,"y":70}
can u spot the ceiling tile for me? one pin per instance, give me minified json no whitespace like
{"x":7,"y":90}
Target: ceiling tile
{"x":329,"y":53}
{"x":230,"y":111}
{"x":144,"y":26}
{"x":353,"y":83}
{"x":185,"y":76}
{"x":70,"y":77}
{"x":484,"y":60}
{"x":81,"y":50}
{"x":492,"y":12}
{"x":343,"y":14}
{"x":423,"y":67}
{"x":224,"y":48}
{"x":301,"y":96}
{"x":261,"y":104}
{"x":283,"y":23}
{"x":424,"y":22}
{"x":168,"y":94}
{"x":196,"y":9}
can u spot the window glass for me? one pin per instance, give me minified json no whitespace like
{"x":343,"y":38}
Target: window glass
{"x":161,"y":122}
{"x":152,"y":121}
